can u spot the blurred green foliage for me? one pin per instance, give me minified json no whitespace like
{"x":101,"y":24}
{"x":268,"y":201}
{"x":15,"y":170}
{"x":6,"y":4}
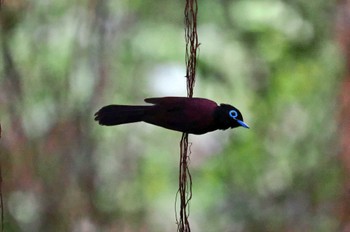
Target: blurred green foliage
{"x":275,"y":60}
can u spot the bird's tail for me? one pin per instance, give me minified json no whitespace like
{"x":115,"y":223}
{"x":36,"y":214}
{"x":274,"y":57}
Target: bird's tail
{"x":119,"y":114}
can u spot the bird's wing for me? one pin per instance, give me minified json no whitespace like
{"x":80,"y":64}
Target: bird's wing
{"x":166,"y":100}
{"x":193,"y":115}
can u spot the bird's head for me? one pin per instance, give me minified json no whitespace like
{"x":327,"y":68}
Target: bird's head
{"x":229,"y":116}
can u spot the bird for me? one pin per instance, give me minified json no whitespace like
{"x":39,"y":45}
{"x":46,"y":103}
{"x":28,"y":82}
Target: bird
{"x":188,"y":115}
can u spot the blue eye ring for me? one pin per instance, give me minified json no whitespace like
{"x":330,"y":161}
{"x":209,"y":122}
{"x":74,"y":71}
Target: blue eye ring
{"x":233,"y":114}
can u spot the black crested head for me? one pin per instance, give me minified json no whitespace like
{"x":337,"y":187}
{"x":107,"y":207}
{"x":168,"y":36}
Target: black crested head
{"x":228,"y":116}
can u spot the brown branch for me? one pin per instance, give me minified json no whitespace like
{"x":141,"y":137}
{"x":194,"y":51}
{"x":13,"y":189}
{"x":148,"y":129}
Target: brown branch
{"x":343,"y":38}
{"x":1,"y":197}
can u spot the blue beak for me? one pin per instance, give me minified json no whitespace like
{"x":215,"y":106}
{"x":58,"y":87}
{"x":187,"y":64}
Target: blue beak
{"x":243,"y":124}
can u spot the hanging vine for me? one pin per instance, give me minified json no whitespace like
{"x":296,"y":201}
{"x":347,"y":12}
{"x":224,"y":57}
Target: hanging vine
{"x":191,"y":38}
{"x":185,"y":180}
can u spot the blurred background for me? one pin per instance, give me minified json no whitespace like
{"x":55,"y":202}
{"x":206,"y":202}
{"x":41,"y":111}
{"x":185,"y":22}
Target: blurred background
{"x":283,"y":63}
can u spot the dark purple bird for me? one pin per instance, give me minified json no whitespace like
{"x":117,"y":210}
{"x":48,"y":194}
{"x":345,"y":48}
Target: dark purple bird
{"x":190,"y":115}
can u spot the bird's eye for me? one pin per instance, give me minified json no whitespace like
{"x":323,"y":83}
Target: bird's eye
{"x":233,"y":114}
